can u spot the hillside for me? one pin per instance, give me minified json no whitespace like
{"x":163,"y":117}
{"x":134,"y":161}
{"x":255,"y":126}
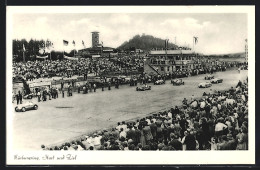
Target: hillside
{"x":145,"y":42}
{"x":231,"y":55}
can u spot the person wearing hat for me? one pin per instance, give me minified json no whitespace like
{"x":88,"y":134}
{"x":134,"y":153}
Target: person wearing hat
{"x":122,"y":133}
{"x":78,"y":86}
{"x":223,"y":144}
{"x":124,"y":126}
{"x":242,"y":139}
{"x":153,"y":129}
{"x":94,"y":87}
{"x":189,"y":140}
{"x":213,"y":144}
{"x":232,"y":143}
{"x":115,"y":133}
{"x":147,"y":133}
{"x":131,"y":135}
{"x":220,"y":127}
{"x":97,"y":141}
{"x":174,"y":142}
{"x":109,"y":85}
{"x":17,"y":97}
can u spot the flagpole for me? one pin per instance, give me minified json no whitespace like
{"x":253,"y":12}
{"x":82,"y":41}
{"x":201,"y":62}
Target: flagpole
{"x":166,"y":47}
{"x":23,"y":57}
{"x":74,"y":48}
{"x":50,"y":44}
{"x":193,"y":44}
{"x":63,"y":51}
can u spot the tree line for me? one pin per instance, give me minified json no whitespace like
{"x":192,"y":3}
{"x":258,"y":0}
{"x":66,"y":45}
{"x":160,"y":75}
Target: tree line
{"x":33,"y":48}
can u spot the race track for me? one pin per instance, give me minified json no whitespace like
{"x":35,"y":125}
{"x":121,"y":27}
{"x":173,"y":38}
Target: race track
{"x":62,"y":119}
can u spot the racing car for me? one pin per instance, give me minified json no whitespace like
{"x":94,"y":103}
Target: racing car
{"x":159,"y":82}
{"x":28,"y":96}
{"x":209,"y":77}
{"x":26,"y":106}
{"x":205,"y":85}
{"x":216,"y":81}
{"x":143,"y":88}
{"x":177,"y":82}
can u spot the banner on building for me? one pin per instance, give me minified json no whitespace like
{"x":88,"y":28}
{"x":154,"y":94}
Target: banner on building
{"x":70,"y":58}
{"x":42,"y":57}
{"x":95,"y":56}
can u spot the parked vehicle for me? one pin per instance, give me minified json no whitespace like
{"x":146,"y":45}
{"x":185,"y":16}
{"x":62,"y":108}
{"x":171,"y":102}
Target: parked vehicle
{"x":209,"y":77}
{"x":205,"y":85}
{"x":143,"y":88}
{"x":28,"y":96}
{"x":216,"y":81}
{"x":159,"y":82}
{"x":177,"y":82}
{"x":26,"y":106}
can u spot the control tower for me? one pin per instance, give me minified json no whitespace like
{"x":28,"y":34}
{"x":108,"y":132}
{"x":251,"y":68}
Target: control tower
{"x":95,"y":39}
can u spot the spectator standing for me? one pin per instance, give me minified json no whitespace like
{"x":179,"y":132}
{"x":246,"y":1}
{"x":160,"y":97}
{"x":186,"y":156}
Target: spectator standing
{"x":39,"y":95}
{"x":94,"y":86}
{"x":20,"y":97}
{"x":17,"y":97}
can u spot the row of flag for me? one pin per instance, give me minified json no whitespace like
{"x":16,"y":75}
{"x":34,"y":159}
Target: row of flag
{"x":66,"y":43}
{"x":195,"y":40}
{"x":47,"y":44}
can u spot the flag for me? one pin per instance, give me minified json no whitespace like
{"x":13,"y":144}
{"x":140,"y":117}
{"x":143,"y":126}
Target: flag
{"x":65,"y":43}
{"x":23,"y":48}
{"x":166,"y":43}
{"x":83,"y":44}
{"x":42,"y":45}
{"x":73,"y":42}
{"x":48,"y":43}
{"x":195,"y":40}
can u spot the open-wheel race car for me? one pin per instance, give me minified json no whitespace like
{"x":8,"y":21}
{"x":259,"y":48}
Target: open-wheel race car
{"x":159,"y":82}
{"x":209,"y":77}
{"x":177,"y":82}
{"x":205,"y":85}
{"x":26,"y":106}
{"x":28,"y":96}
{"x":216,"y":81}
{"x":143,"y":88}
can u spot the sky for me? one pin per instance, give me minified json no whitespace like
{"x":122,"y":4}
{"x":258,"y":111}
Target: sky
{"x":218,"y":33}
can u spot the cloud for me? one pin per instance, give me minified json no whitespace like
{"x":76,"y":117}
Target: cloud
{"x":41,"y":21}
{"x":121,"y":19}
{"x":216,"y":34}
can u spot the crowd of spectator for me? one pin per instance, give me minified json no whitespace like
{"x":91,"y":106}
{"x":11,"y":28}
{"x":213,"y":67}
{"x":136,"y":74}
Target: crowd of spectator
{"x":217,"y":121}
{"x":31,"y":70}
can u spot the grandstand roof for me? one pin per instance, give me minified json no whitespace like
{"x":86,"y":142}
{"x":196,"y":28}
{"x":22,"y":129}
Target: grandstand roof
{"x":163,"y":52}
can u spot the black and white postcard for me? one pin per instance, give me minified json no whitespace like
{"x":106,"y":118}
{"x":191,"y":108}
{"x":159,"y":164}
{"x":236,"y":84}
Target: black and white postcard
{"x":130,"y":85}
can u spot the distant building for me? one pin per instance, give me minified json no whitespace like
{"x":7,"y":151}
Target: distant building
{"x":162,"y":61}
{"x":97,"y":51}
{"x":138,"y":51}
{"x":95,"y":39}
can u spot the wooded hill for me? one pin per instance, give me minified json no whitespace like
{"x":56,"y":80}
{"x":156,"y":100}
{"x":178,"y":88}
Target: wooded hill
{"x":145,"y":42}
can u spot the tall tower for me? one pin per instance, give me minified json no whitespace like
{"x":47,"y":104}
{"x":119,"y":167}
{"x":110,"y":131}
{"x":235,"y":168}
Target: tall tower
{"x":246,"y":51}
{"x":95,"y":39}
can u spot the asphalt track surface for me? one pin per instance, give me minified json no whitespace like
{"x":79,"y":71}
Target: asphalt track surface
{"x":63,"y":119}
